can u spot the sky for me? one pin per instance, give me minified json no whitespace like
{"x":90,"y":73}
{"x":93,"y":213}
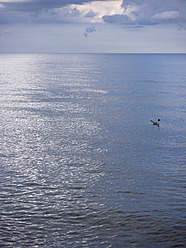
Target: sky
{"x":82,"y":26}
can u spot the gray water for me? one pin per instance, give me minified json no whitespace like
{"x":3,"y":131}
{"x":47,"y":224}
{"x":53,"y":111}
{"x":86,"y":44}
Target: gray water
{"x":81,"y":163}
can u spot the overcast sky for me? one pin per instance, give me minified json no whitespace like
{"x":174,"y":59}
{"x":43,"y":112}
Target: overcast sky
{"x":77,"y":26}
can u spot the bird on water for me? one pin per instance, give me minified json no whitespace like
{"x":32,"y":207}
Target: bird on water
{"x":157,"y":123}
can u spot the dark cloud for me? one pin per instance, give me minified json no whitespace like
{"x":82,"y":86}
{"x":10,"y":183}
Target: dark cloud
{"x":36,"y":11}
{"x":117,"y":19}
{"x":12,"y":12}
{"x":89,"y":30}
{"x":38,"y":5}
{"x":91,"y":14}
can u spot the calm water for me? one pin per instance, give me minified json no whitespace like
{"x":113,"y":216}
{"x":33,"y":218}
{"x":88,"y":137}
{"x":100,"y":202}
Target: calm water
{"x":81,"y":163}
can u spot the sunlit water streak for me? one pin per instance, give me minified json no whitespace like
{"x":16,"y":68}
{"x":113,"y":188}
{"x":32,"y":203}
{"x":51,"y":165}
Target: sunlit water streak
{"x":81,"y":164}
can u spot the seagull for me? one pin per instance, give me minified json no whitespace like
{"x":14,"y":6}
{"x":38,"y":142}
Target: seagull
{"x":156,"y":122}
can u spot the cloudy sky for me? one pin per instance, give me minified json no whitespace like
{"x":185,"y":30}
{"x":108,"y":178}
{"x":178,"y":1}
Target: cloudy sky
{"x":82,"y":26}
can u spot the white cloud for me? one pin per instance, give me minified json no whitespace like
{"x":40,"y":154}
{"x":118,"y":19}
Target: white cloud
{"x":94,"y":11}
{"x":5,"y":33}
{"x":167,"y":15}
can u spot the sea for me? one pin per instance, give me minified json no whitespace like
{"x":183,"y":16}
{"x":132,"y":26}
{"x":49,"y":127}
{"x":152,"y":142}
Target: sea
{"x":81,"y":163}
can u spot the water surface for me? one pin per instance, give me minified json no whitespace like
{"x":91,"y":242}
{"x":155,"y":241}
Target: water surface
{"x":81,"y":163}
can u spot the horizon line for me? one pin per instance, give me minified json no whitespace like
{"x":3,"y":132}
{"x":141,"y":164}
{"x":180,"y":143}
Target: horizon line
{"x":146,"y":53}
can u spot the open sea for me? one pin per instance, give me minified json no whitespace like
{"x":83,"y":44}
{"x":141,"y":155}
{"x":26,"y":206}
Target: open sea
{"x":81,"y":165}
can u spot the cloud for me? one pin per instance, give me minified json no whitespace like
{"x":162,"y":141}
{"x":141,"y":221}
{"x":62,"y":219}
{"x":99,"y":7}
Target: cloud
{"x":39,"y":5}
{"x":26,"y":11}
{"x":91,"y":14}
{"x":94,"y":11}
{"x":151,"y":12}
{"x":35,"y":5}
{"x":89,"y":30}
{"x":5,"y":33}
{"x":125,"y":12}
{"x":14,"y":11}
{"x":117,"y":19}
{"x":166,"y":16}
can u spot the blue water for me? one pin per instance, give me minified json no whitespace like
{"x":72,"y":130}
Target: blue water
{"x":81,"y":163}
